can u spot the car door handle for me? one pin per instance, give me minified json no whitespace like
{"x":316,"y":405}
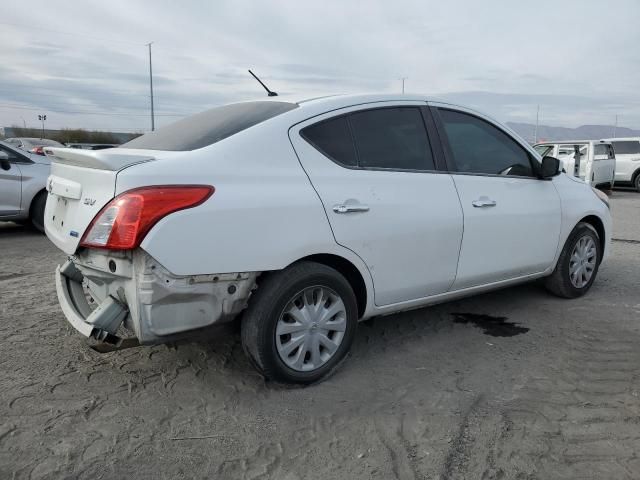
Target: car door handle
{"x":484,"y":202}
{"x":350,"y":207}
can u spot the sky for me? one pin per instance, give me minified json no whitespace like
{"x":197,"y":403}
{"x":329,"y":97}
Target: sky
{"x":85,"y":64}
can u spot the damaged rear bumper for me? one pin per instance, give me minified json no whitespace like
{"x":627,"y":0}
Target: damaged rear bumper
{"x":105,"y":294}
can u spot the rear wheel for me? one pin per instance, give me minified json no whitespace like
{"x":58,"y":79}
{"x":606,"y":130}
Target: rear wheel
{"x":300,"y":323}
{"x":636,"y":182}
{"x":578,"y":264}
{"x":36,"y":215}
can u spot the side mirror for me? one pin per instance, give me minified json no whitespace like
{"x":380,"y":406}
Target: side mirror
{"x":4,"y":160}
{"x":550,"y":167}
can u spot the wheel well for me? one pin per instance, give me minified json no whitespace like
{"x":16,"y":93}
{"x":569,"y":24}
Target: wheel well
{"x":350,"y":272}
{"x":41,"y":192}
{"x":596,"y":223}
{"x":635,"y":175}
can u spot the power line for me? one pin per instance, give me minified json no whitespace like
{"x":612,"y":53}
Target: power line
{"x":21,"y":107}
{"x":32,"y":28}
{"x":13,"y":92}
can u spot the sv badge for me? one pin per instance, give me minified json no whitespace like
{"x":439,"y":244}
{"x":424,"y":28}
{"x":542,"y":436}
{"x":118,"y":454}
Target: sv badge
{"x":89,"y":201}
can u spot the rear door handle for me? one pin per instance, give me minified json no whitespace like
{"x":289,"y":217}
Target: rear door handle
{"x":484,"y":202}
{"x":350,"y":207}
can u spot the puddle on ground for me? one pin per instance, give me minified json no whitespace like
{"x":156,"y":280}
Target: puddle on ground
{"x":490,"y":325}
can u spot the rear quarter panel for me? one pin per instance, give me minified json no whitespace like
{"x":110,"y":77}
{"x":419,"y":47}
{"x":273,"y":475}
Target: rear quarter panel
{"x":263,"y":216}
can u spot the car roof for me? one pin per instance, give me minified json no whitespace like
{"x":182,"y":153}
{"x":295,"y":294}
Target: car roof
{"x":330,"y":102}
{"x":566,"y":142}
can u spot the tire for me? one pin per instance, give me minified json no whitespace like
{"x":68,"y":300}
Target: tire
{"x":281,"y":303}
{"x":561,"y":282}
{"x":36,"y":214}
{"x":636,"y":182}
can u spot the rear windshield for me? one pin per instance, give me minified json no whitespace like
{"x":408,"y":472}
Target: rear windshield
{"x":626,"y":147}
{"x":209,"y":127}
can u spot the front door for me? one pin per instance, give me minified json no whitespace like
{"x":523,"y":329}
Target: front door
{"x":375,"y":173}
{"x":511,"y":218}
{"x":10,"y":184}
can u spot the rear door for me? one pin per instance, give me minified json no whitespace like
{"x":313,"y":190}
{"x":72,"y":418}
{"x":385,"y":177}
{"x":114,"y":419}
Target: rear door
{"x":604,"y":164}
{"x":10,"y":184}
{"x":377,"y":175}
{"x":511,"y":218}
{"x":627,"y":153}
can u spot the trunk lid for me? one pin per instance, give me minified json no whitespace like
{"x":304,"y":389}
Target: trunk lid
{"x":80,"y":184}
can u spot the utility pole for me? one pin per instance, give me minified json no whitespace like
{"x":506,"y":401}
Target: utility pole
{"x":42,"y":118}
{"x":535,"y":134}
{"x":24,"y":123}
{"x":153,"y":125}
{"x":403,"y":79}
{"x":615,"y":127}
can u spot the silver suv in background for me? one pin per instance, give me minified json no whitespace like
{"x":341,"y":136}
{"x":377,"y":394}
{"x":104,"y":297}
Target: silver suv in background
{"x":627,"y":160}
{"x":593,"y":161}
{"x":23,"y":178}
{"x":33,"y":145}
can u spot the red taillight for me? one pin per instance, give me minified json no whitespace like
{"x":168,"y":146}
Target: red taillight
{"x":125,"y":220}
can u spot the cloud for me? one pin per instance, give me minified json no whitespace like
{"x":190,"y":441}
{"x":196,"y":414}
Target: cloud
{"x":504,"y":58}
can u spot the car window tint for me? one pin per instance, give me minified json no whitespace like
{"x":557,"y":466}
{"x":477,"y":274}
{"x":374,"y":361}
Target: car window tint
{"x":333,"y":138}
{"x":626,"y":147}
{"x":209,"y":127}
{"x":393,"y":138}
{"x":479,"y":147}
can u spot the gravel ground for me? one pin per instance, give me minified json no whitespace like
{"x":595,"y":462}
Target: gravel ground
{"x":432,"y":393}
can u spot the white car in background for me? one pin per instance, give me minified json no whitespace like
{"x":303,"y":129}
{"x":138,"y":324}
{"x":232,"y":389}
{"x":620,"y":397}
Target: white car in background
{"x":627,"y":152}
{"x":22,"y":186}
{"x":593,"y":161}
{"x":300,"y":218}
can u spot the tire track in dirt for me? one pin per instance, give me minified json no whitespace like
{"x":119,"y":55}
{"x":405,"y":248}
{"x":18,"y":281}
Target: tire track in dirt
{"x":581,"y":420}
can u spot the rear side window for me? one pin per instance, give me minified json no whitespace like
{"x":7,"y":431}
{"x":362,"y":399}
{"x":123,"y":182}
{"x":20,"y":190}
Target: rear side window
{"x":390,"y":138}
{"x":602,"y":151}
{"x":207,"y":128}
{"x":626,"y":147}
{"x":479,"y":147}
{"x":333,"y":138}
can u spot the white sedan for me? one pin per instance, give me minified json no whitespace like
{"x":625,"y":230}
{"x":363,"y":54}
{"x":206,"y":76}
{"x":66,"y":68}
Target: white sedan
{"x":300,"y":218}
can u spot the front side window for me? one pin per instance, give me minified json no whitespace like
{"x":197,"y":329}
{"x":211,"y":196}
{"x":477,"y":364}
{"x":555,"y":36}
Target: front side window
{"x":13,"y":155}
{"x":626,"y":147}
{"x":479,"y":147}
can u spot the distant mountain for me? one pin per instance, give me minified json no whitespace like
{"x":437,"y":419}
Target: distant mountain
{"x":584,"y":132}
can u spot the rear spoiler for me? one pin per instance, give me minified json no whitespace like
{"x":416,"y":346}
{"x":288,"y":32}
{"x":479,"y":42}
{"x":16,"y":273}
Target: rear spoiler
{"x":109,"y":159}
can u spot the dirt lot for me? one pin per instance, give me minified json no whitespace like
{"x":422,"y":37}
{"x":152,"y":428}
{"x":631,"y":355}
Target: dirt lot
{"x":427,"y":394}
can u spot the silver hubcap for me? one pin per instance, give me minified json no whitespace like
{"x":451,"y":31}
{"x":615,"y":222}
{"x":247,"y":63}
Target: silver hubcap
{"x":582,"y":262}
{"x":311,"y":328}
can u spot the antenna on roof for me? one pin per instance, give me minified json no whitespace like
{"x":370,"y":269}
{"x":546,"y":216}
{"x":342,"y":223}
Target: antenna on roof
{"x":269,"y":92}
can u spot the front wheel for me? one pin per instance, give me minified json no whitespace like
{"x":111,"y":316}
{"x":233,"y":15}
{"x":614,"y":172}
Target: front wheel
{"x":300,"y":323}
{"x":578,"y":264}
{"x":636,"y":182}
